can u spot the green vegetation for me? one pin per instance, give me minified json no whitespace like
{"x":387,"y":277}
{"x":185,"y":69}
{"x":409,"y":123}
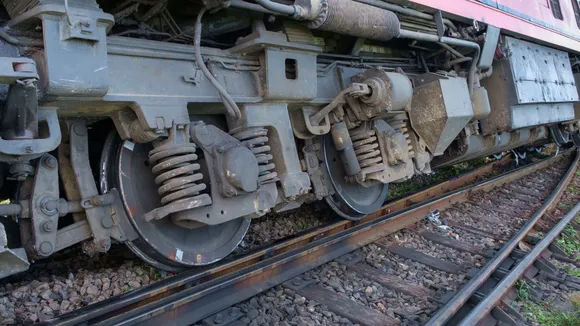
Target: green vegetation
{"x":545,"y":313}
{"x":570,"y":270}
{"x":420,"y":182}
{"x":567,"y":241}
{"x":574,"y":190}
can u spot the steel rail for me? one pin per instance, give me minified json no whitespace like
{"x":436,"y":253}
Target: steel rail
{"x":463,"y":295}
{"x":492,"y":299}
{"x":231,"y":282}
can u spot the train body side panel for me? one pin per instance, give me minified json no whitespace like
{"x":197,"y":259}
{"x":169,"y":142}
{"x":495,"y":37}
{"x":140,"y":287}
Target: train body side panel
{"x":534,"y":19}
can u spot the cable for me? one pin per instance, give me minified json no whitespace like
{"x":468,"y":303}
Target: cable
{"x":277,"y":7}
{"x":231,"y":106}
{"x":13,"y":40}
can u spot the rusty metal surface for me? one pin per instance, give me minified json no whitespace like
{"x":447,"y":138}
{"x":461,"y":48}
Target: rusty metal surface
{"x":453,"y":306}
{"x":234,"y":281}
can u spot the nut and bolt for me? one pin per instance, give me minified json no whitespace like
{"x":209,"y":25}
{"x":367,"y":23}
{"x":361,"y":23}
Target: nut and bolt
{"x":220,"y":149}
{"x":49,"y":161}
{"x":229,"y":191}
{"x":296,"y":282}
{"x":49,"y":205}
{"x":47,"y":226}
{"x":45,"y":248}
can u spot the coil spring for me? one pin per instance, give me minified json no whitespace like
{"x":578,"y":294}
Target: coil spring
{"x":174,"y":167}
{"x":256,"y":139}
{"x":366,"y":148}
{"x":402,"y":125}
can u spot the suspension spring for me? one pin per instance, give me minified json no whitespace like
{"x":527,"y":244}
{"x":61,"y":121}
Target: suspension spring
{"x":174,"y":167}
{"x":366,"y":148}
{"x":256,"y":139}
{"x":403,"y":126}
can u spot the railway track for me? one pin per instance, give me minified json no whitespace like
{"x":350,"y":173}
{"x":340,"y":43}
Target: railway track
{"x":208,"y":296}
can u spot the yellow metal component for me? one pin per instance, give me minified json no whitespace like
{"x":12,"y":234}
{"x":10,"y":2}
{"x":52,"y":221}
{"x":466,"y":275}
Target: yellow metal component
{"x":375,"y":49}
{"x":319,"y":41}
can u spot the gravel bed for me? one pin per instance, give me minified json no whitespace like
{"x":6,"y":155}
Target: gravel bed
{"x":410,"y":271}
{"x":276,"y":226}
{"x":51,"y":288}
{"x":483,"y":242}
{"x":412,"y":240}
{"x":475,"y":217}
{"x":280,"y":306}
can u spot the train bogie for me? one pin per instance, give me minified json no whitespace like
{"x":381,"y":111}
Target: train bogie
{"x":168,"y":126}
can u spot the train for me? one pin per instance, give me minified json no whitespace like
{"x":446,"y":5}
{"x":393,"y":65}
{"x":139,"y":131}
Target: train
{"x":168,"y":125}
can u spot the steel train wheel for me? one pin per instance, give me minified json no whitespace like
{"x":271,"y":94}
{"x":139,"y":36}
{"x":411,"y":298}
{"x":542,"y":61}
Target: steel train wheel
{"x":124,"y":166}
{"x":350,"y":200}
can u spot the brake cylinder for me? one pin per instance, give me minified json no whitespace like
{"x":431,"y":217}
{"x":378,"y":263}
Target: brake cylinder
{"x":356,"y":19}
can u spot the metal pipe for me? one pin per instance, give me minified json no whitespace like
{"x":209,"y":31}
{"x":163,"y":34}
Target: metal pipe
{"x":459,"y":60}
{"x":452,"y":50}
{"x":277,"y":7}
{"x":14,"y":41}
{"x":231,"y":107}
{"x":451,"y":41}
{"x":10,"y":209}
{"x":240,"y":4}
{"x":449,"y":310}
{"x":490,"y":301}
{"x":406,"y":11}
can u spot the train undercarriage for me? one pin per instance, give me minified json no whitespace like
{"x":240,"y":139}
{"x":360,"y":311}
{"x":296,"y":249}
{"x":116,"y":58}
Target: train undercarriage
{"x":168,"y":125}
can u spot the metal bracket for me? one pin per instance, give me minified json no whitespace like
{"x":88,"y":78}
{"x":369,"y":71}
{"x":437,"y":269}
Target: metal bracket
{"x":12,"y":261}
{"x":196,"y":78}
{"x":36,"y":146}
{"x":13,"y":69}
{"x":99,"y":221}
{"x":44,"y":206}
{"x":317,"y":177}
{"x":82,"y":28}
{"x":439,"y":22}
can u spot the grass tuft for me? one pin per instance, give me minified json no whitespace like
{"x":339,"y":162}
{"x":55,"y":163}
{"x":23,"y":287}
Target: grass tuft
{"x":546,"y":314}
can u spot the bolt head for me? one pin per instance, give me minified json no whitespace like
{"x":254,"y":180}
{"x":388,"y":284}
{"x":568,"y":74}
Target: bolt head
{"x":107,"y":222}
{"x":219,"y":149}
{"x":49,"y":161}
{"x":47,"y":226}
{"x":49,"y":205}
{"x":296,"y":282}
{"x":46,"y":248}
{"x":80,"y":129}
{"x":229,"y":191}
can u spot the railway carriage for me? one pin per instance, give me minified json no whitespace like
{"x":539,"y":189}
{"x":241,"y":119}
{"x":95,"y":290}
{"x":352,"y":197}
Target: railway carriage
{"x":168,"y":125}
